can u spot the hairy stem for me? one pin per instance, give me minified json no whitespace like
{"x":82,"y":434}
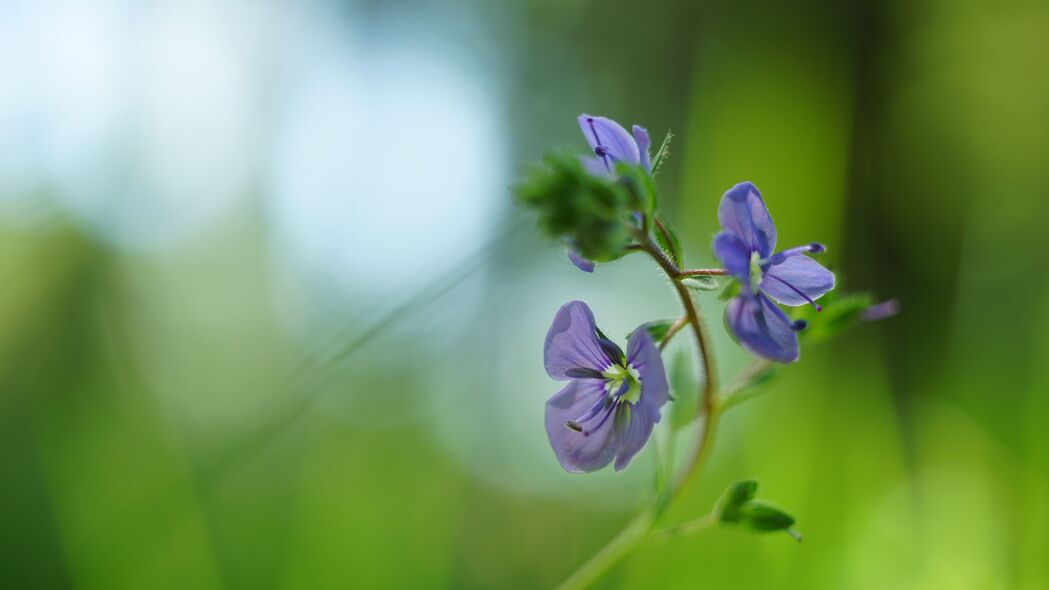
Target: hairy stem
{"x":708,"y":389}
{"x":703,"y":272}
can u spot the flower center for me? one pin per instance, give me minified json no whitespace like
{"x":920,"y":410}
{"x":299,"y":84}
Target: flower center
{"x":756,"y":274}
{"x":624,"y":383}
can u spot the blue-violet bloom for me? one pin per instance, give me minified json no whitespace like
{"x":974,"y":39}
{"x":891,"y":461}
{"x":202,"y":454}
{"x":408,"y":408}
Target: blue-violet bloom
{"x":745,"y":246}
{"x":610,"y":144}
{"x":612,"y":401}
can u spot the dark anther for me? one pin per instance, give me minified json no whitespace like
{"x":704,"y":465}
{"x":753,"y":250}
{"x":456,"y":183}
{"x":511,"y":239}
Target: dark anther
{"x":799,"y":325}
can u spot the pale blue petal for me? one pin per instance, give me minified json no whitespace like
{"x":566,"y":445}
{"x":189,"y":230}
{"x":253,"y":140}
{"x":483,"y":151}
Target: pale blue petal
{"x":572,"y":343}
{"x":606,"y":133}
{"x":762,"y":328}
{"x":797,"y":280}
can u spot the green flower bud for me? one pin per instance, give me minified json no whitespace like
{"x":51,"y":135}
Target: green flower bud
{"x":593,"y":214}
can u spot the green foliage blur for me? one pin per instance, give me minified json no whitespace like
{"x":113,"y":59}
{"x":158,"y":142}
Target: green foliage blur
{"x":198,"y":416}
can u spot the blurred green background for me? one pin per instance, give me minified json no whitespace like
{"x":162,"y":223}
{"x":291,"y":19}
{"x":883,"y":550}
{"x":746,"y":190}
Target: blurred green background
{"x":270,"y":320}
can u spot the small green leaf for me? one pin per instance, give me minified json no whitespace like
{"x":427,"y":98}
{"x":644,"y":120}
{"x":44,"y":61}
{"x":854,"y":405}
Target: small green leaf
{"x":668,"y":240}
{"x":738,"y":494}
{"x":701,"y":283}
{"x":593,"y":214}
{"x":762,"y":517}
{"x":662,"y":153}
{"x":658,"y":329}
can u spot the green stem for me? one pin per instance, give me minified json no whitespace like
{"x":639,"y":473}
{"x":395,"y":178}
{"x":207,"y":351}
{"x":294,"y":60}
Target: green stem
{"x":683,"y":530}
{"x":609,"y":555}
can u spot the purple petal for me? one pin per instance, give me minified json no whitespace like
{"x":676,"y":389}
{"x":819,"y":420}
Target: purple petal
{"x":578,"y":452}
{"x":880,"y":311}
{"x":581,"y":263}
{"x":643,"y":143}
{"x":762,"y":328}
{"x":797,"y":280}
{"x":602,"y":132}
{"x":632,"y":434}
{"x":571,"y":342}
{"x":743,"y":212}
{"x":644,"y":355}
{"x":734,"y":254}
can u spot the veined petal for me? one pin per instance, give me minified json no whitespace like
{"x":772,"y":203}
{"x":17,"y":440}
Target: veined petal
{"x":572,"y":343}
{"x":743,"y":212}
{"x":606,"y":133}
{"x":643,"y":143}
{"x":797,"y":280}
{"x":581,"y":263}
{"x":762,"y":328}
{"x":734,"y":254}
{"x":631,"y":437}
{"x":578,"y":452}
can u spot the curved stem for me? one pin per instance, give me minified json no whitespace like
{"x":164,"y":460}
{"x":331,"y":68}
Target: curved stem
{"x":641,"y":527}
{"x":707,"y":399}
{"x":609,"y":555}
{"x":679,"y":323}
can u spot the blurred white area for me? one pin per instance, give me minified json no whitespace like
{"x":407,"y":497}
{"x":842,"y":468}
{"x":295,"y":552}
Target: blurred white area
{"x":388,"y":166}
{"x":378,"y":159}
{"x":142,"y":121}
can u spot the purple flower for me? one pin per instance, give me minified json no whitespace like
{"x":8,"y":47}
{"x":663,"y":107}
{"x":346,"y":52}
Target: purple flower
{"x":610,"y":143}
{"x":745,"y":246}
{"x":612,"y":401}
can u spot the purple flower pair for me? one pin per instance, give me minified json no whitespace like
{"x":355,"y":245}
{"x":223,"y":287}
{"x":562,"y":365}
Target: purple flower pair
{"x":745,"y":246}
{"x":613,"y":399}
{"x":610,"y":144}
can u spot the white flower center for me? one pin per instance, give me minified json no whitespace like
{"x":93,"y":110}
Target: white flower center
{"x":617,"y":375}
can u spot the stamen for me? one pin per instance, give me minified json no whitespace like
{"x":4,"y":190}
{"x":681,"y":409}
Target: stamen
{"x":799,"y":325}
{"x":813,"y":248}
{"x":796,"y":290}
{"x":611,"y":410}
{"x":597,"y":140}
{"x":593,"y":411}
{"x":573,"y":426}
